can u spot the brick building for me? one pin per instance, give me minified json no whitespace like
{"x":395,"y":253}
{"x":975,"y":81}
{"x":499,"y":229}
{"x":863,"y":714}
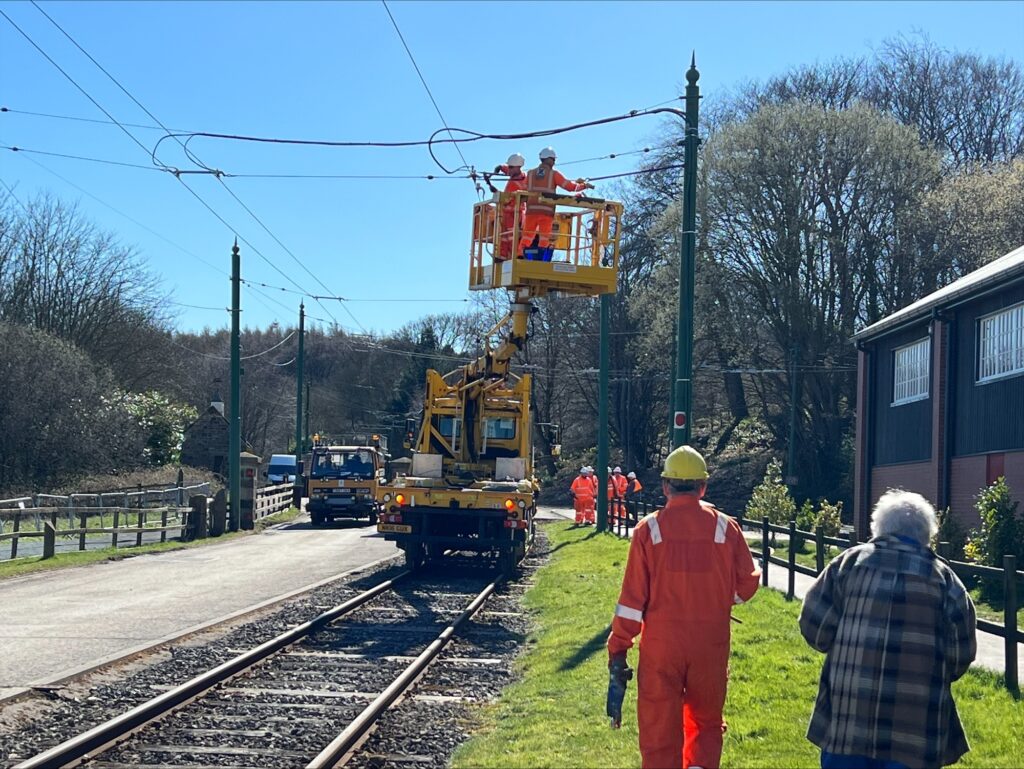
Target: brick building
{"x":940,"y":394}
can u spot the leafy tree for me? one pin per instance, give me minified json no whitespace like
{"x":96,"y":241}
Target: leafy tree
{"x":162,"y":422}
{"x":59,"y":415}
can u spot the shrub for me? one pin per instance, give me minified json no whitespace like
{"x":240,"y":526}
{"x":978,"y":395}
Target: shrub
{"x":952,"y":532}
{"x":1000,"y":533}
{"x":771,"y":498}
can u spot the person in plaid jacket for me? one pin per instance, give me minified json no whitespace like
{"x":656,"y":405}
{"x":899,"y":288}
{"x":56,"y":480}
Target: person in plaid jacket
{"x":897,"y":627}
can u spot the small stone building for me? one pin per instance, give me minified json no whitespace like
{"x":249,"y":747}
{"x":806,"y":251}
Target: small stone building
{"x":206,"y":440}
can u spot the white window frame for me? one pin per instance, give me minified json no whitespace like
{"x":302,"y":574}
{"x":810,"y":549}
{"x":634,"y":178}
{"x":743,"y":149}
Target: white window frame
{"x":911,"y":372}
{"x":1001,"y":344}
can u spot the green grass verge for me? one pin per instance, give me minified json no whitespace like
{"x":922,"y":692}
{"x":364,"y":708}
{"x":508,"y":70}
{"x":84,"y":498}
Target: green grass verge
{"x":22,"y":566}
{"x":285,"y":516}
{"x":554,"y":716}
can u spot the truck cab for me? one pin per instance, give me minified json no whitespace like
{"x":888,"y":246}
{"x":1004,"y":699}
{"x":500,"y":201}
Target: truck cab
{"x":342,"y":482}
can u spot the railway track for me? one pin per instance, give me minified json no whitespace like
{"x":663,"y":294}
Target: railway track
{"x":284,"y":703}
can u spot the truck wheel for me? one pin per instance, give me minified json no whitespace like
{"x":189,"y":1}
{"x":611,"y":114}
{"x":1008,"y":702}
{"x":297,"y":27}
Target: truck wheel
{"x":414,"y":556}
{"x":317,"y":518}
{"x":373,"y":517}
{"x":507,"y":563}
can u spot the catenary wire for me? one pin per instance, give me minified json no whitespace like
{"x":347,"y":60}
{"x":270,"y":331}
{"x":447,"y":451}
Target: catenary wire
{"x":423,"y":80}
{"x":131,"y":219}
{"x":83,"y":119}
{"x":15,"y":198}
{"x":80,"y":157}
{"x":159,"y":122}
{"x":72,"y":80}
{"x":244,"y":175}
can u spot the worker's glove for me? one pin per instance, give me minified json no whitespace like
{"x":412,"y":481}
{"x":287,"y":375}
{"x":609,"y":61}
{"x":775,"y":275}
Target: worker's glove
{"x":497,"y":169}
{"x":619,"y":674}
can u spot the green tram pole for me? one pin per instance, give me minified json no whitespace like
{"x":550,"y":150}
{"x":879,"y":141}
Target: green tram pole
{"x":602,"y":419}
{"x":299,"y":367}
{"x":235,"y":424}
{"x":682,"y":416}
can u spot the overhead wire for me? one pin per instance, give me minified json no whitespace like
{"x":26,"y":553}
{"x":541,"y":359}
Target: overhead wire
{"x":15,"y":198}
{"x":70,"y":79}
{"x":80,"y":157}
{"x":82,"y":119}
{"x":131,"y":219}
{"x":425,"y":86}
{"x":160,"y":123}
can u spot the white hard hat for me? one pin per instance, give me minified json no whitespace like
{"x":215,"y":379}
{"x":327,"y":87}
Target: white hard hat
{"x":515,"y":159}
{"x":548,"y":152}
{"x":632,"y":476}
{"x":617,"y":470}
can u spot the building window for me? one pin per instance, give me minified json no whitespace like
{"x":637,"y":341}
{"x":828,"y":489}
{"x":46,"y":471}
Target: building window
{"x":910,"y":372}
{"x":1001,"y":344}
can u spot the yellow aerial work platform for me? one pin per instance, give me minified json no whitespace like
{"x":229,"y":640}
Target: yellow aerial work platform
{"x":585,"y":246}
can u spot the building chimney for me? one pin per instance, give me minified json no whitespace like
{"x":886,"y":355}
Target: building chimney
{"x":217,"y":402}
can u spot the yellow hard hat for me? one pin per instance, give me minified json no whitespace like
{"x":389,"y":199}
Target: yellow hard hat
{"x":685,"y":464}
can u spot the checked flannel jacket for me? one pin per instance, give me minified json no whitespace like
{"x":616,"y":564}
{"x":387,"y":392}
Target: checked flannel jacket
{"x":897,"y":627}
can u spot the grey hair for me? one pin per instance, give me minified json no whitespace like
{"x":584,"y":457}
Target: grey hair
{"x":905,"y":514}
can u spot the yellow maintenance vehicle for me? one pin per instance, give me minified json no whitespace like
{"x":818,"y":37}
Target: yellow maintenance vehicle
{"x":342,"y":479}
{"x":471,"y":484}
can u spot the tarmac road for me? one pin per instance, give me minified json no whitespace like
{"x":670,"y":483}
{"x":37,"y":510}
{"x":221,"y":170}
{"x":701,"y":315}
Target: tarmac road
{"x":64,"y":620}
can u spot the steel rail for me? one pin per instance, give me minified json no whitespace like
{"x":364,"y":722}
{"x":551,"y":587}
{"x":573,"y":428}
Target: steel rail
{"x":99,"y":738}
{"x":333,"y":754}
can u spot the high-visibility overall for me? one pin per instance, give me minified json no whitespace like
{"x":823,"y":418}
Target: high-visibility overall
{"x":583,"y":499}
{"x":540,"y":214}
{"x":508,"y":213}
{"x":616,"y":495}
{"x":633,"y":489}
{"x":688,"y":565}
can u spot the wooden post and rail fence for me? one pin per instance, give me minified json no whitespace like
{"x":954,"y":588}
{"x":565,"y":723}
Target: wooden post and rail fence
{"x":1008,"y":575}
{"x":185,"y":510}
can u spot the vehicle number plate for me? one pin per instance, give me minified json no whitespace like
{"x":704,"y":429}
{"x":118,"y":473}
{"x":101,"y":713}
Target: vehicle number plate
{"x":394,"y":528}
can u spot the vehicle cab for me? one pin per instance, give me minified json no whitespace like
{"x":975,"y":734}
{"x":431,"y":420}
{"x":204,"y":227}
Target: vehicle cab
{"x":342,"y":482}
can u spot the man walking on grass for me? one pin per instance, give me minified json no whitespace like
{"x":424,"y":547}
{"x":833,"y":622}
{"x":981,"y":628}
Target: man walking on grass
{"x":688,"y":565}
{"x":897,"y":628}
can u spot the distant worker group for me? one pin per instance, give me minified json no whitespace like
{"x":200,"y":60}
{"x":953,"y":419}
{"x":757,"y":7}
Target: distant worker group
{"x":537,"y":215}
{"x":623,"y":491}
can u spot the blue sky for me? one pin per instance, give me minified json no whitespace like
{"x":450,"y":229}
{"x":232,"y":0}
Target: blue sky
{"x":339,"y":71}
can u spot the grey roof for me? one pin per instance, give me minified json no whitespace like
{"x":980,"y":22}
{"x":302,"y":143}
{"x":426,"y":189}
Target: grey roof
{"x":995,"y":272}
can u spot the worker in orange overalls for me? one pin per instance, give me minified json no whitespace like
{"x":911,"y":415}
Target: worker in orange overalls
{"x":633,"y":490}
{"x":616,"y":494}
{"x":516,"y":182}
{"x":582,"y":496}
{"x":540,"y":214}
{"x":688,"y":565}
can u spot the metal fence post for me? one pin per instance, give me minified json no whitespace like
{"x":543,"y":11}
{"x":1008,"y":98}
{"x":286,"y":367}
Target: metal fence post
{"x":765,"y":551}
{"x":1010,"y":621}
{"x":791,"y":586}
{"x":163,"y":523}
{"x":117,"y":524}
{"x":84,"y":519}
{"x":819,"y":549}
